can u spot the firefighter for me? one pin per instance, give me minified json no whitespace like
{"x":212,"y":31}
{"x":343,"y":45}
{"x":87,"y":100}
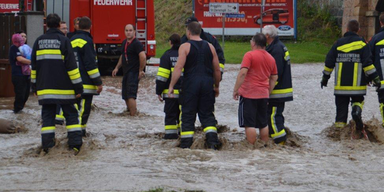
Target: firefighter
{"x":85,"y":55}
{"x":75,"y":27}
{"x":56,"y":80}
{"x":377,"y":49}
{"x":350,"y":57}
{"x":211,"y":39}
{"x":283,"y":91}
{"x":201,"y":72}
{"x":171,"y":106}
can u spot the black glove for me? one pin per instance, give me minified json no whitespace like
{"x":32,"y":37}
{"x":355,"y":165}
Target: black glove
{"x":377,"y":83}
{"x":324,"y":81}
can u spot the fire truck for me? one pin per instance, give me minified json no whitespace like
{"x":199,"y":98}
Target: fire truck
{"x":109,"y":17}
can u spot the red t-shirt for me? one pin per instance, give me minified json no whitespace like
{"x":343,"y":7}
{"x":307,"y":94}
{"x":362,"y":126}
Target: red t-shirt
{"x":261,"y":65}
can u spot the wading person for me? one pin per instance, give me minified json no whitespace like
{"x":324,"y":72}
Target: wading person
{"x":56,"y":80}
{"x":171,"y":106}
{"x":377,"y":49}
{"x":201,"y":79}
{"x":83,"y":47}
{"x":133,"y":61}
{"x":350,"y":57}
{"x":20,"y":80}
{"x":255,"y":81}
{"x":283,"y":91}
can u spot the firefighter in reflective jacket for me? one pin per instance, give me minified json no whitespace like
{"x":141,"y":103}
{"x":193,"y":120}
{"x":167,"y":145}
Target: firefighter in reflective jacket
{"x":283,"y":91}
{"x":377,"y":49}
{"x":56,"y":80}
{"x":211,"y":39}
{"x":172,"y":106}
{"x":85,"y":54}
{"x":350,"y":57}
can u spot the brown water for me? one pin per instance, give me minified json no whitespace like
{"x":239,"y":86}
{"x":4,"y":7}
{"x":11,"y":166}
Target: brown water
{"x":127,"y":153}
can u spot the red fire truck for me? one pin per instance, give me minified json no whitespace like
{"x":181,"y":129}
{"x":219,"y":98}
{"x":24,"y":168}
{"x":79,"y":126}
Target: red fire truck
{"x":109,"y":18}
{"x":13,"y":6}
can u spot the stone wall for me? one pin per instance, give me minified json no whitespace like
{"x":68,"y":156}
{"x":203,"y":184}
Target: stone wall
{"x":364,"y":12}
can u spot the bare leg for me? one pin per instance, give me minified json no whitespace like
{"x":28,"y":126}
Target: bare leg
{"x":132,"y":106}
{"x":264,"y":134}
{"x":127,"y":104}
{"x":251,"y":134}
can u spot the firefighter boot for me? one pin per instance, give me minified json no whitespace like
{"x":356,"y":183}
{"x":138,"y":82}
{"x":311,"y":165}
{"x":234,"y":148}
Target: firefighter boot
{"x":212,"y":141}
{"x":75,"y":140}
{"x":186,"y":142}
{"x":48,"y":141}
{"x":356,"y":115}
{"x":171,"y":136}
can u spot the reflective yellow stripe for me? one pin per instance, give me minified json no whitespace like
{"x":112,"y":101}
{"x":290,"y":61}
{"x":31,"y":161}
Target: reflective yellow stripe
{"x":340,"y":124}
{"x":163,"y":72}
{"x":282,"y":91}
{"x":175,"y":91}
{"x":76,"y":76}
{"x":84,"y":126}
{"x":89,"y":87}
{"x":351,"y":46}
{"x":382,"y":110}
{"x":73,"y":126}
{"x":91,"y":72}
{"x":370,"y":67}
{"x":278,"y":134}
{"x":286,"y":57}
{"x":170,"y":127}
{"x":74,"y":72}
{"x":33,"y":72}
{"x":380,"y":42}
{"x":55,"y":92}
{"x":82,"y":109}
{"x":172,"y":69}
{"x":187,"y":133}
{"x":273,"y":120}
{"x":210,"y":128}
{"x":361,"y":105}
{"x":48,"y":52}
{"x":355,"y":74}
{"x":350,"y":87}
{"x":328,"y":69}
{"x":78,"y":43}
{"x":339,"y":74}
{"x":48,"y":128}
{"x":222,"y":66}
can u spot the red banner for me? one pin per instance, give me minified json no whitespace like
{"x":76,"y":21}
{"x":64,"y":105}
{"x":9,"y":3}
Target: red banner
{"x":276,"y":12}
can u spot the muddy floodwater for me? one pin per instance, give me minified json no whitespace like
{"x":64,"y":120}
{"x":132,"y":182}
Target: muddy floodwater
{"x":125,"y":153}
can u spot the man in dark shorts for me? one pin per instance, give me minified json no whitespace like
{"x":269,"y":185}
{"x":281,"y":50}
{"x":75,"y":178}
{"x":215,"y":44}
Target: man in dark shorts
{"x":133,"y":60}
{"x":201,"y":79}
{"x":255,"y":82}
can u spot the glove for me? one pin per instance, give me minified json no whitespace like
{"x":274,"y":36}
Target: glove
{"x":324,"y":81}
{"x":377,"y":83}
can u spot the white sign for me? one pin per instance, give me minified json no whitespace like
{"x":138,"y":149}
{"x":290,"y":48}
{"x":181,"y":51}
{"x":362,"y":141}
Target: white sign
{"x":223,"y":7}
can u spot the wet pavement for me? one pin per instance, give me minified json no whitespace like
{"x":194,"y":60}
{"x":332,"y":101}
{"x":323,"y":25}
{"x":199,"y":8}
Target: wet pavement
{"x":124,"y":153}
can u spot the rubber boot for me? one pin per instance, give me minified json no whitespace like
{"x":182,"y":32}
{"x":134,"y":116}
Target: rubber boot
{"x":48,"y":141}
{"x":356,"y":115}
{"x":186,"y":142}
{"x":212,"y":141}
{"x":75,"y":140}
{"x":84,"y":132}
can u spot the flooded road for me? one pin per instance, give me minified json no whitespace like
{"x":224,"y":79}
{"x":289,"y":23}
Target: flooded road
{"x":127,"y":153}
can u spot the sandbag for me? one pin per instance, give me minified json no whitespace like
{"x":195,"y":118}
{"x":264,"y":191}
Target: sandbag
{"x":8,"y":127}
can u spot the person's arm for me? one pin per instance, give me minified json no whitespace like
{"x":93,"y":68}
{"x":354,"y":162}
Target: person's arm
{"x":272,"y":82}
{"x":23,"y":60}
{"x":143,"y":61}
{"x":239,"y":80}
{"x":89,"y":60}
{"x":183,"y":52}
{"x":33,"y":67}
{"x":329,"y":65}
{"x":71,"y":66}
{"x":163,"y":75}
{"x":118,"y":66}
{"x":216,"y":70}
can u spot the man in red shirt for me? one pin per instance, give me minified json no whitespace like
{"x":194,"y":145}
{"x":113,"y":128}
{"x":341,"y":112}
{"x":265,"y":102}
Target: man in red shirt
{"x":255,"y":81}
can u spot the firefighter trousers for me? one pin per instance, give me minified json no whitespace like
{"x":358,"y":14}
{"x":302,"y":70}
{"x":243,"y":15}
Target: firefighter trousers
{"x":380,"y":95}
{"x":85,"y":104}
{"x":59,"y":116}
{"x":342,"y":104}
{"x":198,"y":97}
{"x":172,"y":118}
{"x":276,"y":121}
{"x":48,"y":113}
